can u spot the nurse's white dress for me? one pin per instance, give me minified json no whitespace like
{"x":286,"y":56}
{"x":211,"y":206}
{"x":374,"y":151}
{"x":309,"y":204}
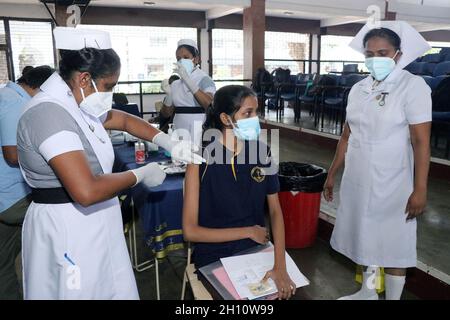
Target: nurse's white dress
{"x":183,"y":97}
{"x":371,"y":226}
{"x":70,"y":251}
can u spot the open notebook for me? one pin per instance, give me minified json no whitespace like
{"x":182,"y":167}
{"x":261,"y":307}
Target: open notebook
{"x":237,"y":277}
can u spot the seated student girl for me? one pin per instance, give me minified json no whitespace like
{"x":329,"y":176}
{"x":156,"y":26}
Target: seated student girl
{"x":225,"y":197}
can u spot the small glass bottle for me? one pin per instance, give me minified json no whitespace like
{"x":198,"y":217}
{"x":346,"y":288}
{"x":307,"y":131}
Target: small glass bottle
{"x":139,"y":152}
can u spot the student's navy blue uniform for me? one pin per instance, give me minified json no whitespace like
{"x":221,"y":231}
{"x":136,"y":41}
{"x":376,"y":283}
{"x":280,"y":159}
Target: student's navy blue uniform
{"x":233,"y":194}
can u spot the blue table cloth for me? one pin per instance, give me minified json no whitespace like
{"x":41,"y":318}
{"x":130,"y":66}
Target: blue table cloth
{"x":160,"y":208}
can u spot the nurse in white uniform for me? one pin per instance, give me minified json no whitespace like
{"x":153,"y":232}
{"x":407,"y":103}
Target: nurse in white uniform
{"x":386,"y":150}
{"x":191,"y":95}
{"x":73,"y":242}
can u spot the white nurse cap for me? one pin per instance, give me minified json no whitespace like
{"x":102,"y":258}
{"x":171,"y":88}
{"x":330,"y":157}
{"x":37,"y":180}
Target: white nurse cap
{"x":412,"y":46}
{"x":68,"y":38}
{"x":188,"y":42}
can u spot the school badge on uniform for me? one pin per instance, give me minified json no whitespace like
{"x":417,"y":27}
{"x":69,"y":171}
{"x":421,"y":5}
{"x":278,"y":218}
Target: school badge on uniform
{"x":258,"y":174}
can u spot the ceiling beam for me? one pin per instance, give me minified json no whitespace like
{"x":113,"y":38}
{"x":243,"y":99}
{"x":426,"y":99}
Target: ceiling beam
{"x":328,"y":22}
{"x":327,"y":7}
{"x":427,"y":28}
{"x":219,"y":12}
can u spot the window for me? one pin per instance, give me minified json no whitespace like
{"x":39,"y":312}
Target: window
{"x":2,"y":33}
{"x":31,"y":44}
{"x":228,"y":56}
{"x":3,"y":58}
{"x":334,"y":51}
{"x":282,"y":49}
{"x":158,"y":42}
{"x":143,"y":55}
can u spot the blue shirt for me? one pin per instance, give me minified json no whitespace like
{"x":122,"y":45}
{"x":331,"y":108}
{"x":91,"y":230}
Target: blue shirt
{"x":12,"y":185}
{"x":233,"y":195}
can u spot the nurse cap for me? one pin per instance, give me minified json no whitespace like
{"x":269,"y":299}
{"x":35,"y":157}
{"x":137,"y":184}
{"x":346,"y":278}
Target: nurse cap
{"x":188,"y":42}
{"x":68,"y":38}
{"x":412,"y":46}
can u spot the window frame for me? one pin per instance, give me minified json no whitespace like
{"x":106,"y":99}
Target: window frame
{"x":9,"y":50}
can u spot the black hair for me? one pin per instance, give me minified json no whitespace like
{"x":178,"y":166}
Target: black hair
{"x":384,"y":33}
{"x":227,"y":100}
{"x":191,"y":49}
{"x":26,"y":69}
{"x":173,"y":78}
{"x":120,"y":99}
{"x":99,"y":63}
{"x":35,"y":77}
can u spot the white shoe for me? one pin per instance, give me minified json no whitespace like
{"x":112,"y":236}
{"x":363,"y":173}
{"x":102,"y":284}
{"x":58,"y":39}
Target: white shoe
{"x":368,"y":291}
{"x":360,"y":296}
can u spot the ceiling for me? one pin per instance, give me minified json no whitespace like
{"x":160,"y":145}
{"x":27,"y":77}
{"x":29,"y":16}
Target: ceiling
{"x":425,"y":15}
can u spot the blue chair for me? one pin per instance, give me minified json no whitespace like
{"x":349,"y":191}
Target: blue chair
{"x":432,"y":57}
{"x":445,"y":54}
{"x":336,"y":105}
{"x":435,"y":82}
{"x":416,"y":67}
{"x":429,"y":68}
{"x":442,"y":69}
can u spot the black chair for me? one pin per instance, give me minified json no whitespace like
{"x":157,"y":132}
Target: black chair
{"x":289,"y":92}
{"x":350,"y":68}
{"x":130,"y":108}
{"x":281,"y":77}
{"x":334,"y":98}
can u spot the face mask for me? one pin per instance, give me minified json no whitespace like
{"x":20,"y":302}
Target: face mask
{"x":247,"y":129}
{"x":187,"y":64}
{"x":98,"y":103}
{"x":380,"y":67}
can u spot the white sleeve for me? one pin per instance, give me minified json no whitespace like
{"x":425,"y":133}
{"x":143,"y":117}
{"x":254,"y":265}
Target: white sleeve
{"x":59,"y":143}
{"x":418,"y":104}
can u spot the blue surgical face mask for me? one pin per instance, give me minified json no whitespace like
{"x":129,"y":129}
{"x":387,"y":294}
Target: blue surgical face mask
{"x":380,"y":67}
{"x":247,"y":129}
{"x":188,"y":64}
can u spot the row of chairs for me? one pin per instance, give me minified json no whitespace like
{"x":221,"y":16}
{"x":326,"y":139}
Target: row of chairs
{"x":435,"y":64}
{"x":324,"y":94}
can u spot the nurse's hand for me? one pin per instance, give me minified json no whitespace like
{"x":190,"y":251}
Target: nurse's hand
{"x":184,"y":151}
{"x":285,"y":286}
{"x":328,"y":189}
{"x":165,"y":86}
{"x":150,"y":175}
{"x":186,"y":78}
{"x":416,"y":204}
{"x":259,"y":234}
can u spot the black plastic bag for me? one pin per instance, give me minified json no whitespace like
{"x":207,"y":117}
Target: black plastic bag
{"x":301,"y":177}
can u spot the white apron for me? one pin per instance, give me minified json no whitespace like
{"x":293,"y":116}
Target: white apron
{"x":371,"y":226}
{"x":72,"y":252}
{"x":182,"y":97}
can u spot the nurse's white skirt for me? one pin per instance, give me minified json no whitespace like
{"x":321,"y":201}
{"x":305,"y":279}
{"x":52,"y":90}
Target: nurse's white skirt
{"x":192,"y":124}
{"x":72,"y":252}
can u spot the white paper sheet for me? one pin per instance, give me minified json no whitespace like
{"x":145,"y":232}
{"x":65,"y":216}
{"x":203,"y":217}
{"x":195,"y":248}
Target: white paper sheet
{"x":250,"y":269}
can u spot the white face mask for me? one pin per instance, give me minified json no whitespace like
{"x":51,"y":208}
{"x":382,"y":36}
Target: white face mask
{"x":98,"y":103}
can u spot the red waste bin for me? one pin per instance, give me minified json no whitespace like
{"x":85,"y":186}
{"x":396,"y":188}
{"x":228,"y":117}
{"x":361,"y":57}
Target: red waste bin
{"x":301,"y":187}
{"x":301,"y":217}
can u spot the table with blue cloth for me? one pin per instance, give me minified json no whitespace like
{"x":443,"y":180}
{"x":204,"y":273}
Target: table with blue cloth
{"x":160,"y":208}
